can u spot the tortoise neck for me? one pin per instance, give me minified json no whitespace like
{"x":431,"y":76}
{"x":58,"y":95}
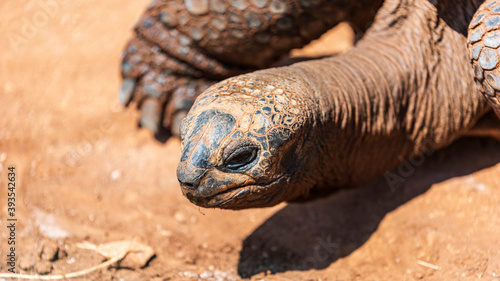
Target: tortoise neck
{"x":404,"y":89}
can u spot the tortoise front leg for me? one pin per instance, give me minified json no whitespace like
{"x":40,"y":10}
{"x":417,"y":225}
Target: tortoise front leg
{"x":484,"y":42}
{"x":183,"y":46}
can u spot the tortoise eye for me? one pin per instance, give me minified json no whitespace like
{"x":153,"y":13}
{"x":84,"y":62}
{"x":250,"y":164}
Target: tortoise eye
{"x":241,"y":157}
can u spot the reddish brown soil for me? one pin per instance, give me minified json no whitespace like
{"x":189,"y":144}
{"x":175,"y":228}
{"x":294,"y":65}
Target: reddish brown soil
{"x":86,"y":173}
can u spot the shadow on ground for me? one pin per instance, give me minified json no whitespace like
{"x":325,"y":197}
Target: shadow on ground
{"x":315,"y":234}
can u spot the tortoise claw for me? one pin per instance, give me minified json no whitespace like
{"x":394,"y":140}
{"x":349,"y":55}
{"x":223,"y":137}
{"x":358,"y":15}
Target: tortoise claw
{"x":126,"y":91}
{"x":150,"y":115}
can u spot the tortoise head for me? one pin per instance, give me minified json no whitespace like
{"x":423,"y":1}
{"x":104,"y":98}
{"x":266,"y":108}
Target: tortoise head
{"x":241,"y":144}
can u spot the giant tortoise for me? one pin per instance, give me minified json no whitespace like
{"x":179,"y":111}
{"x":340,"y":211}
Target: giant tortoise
{"x":410,"y":85}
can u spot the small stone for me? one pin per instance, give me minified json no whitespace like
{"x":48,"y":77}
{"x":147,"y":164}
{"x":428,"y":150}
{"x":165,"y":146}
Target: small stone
{"x":26,"y":263}
{"x":115,"y":174}
{"x":206,"y":275}
{"x":218,"y":6}
{"x":180,"y":217}
{"x":277,"y":7}
{"x":197,"y":7}
{"x":48,"y":250}
{"x":259,"y":3}
{"x":43,"y":267}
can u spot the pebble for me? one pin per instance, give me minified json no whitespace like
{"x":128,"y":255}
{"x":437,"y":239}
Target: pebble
{"x":180,"y":217}
{"x":48,"y":250}
{"x":43,"y":267}
{"x":116,"y":174}
{"x":26,"y":263}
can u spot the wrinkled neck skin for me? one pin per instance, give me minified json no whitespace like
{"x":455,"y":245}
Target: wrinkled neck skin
{"x":405,"y":89}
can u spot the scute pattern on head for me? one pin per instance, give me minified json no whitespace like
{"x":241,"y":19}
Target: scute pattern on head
{"x":249,"y":118}
{"x":264,"y":111}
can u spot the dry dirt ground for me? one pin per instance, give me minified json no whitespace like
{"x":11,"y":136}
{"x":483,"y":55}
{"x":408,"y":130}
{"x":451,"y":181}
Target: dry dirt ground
{"x":85,"y":173}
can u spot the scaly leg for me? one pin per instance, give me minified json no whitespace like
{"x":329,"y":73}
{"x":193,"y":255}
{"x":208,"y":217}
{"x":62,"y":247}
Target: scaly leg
{"x":182,"y":47}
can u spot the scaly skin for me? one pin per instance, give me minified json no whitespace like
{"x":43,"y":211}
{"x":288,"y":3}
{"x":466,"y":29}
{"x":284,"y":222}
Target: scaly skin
{"x":182,"y":47}
{"x":283,"y":134}
{"x":484,"y":43}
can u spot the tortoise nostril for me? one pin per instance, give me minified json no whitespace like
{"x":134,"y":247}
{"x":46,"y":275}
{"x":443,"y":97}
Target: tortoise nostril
{"x":189,"y":185}
{"x":188,"y":175}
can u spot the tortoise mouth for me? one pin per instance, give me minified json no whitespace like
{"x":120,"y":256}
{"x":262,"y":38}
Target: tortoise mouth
{"x":240,"y":197}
